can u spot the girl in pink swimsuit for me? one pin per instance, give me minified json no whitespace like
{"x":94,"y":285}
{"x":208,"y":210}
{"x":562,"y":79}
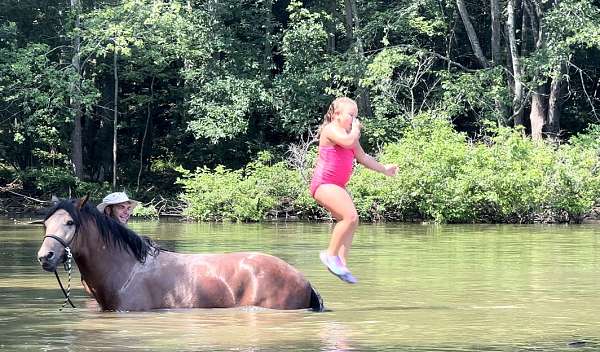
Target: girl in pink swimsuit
{"x":338,"y":148}
{"x":333,"y":167}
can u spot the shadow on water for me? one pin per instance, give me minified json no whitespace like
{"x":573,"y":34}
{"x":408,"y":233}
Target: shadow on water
{"x":194,"y":330}
{"x":34,"y":322}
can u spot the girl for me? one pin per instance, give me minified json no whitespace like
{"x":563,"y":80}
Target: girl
{"x":338,"y":147}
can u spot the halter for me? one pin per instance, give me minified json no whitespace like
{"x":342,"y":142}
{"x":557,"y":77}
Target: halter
{"x":68,"y":268}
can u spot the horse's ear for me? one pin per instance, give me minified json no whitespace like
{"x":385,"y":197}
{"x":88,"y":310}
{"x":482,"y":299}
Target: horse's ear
{"x":81,"y":201}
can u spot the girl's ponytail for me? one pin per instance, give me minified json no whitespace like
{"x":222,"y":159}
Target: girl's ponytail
{"x":329,"y":114}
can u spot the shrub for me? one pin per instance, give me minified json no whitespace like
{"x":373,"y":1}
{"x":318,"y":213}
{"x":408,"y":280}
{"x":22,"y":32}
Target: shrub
{"x":443,"y":176}
{"x":142,"y":211}
{"x":240,"y":195}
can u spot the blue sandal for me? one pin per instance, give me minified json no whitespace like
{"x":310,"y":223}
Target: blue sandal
{"x":335,"y":266}
{"x":349,"y":278}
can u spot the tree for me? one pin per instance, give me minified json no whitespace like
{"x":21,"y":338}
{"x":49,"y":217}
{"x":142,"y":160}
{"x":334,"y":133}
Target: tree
{"x":75,"y":95}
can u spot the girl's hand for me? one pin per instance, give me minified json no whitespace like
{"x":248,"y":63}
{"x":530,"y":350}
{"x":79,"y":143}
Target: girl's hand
{"x":390,"y":170}
{"x":356,"y":124}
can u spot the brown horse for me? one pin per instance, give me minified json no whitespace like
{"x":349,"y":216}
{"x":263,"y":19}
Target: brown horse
{"x":127,"y":272}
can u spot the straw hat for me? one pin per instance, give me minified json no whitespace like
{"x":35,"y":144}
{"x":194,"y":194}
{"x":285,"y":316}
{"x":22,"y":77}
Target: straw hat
{"x":116,"y":198}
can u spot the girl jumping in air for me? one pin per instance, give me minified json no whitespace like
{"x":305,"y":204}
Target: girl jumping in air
{"x":338,"y":147}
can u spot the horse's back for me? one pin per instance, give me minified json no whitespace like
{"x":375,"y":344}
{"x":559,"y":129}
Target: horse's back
{"x":259,"y":279}
{"x":241,"y":279}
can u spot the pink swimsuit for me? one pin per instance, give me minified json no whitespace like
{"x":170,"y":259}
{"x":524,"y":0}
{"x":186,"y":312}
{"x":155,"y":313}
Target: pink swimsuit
{"x":333,"y":167}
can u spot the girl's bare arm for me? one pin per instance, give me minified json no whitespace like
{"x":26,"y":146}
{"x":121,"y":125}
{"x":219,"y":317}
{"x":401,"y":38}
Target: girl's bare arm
{"x":370,"y":162}
{"x":340,"y":137}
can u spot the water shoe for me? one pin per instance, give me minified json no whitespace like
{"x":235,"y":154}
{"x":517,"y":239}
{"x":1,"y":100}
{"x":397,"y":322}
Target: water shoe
{"x":335,"y":266}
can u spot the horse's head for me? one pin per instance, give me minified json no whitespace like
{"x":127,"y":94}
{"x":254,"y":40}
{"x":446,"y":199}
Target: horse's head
{"x":60,"y":229}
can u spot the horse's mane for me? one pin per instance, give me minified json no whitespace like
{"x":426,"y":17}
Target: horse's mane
{"x":110,"y":229}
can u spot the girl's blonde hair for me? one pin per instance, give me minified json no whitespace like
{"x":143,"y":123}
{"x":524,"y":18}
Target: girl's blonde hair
{"x":334,"y":106}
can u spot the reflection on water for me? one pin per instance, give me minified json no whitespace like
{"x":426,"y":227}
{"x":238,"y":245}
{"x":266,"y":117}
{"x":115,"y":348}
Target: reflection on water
{"x":422,"y":288}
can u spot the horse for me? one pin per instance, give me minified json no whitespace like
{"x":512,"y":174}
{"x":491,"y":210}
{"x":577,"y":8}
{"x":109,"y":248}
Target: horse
{"x":128,"y":272}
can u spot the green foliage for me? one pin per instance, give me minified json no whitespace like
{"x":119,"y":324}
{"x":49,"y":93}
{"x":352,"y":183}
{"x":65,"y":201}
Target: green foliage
{"x":588,"y":139}
{"x":208,"y":83}
{"x":406,"y":21}
{"x":446,"y":178}
{"x":430,"y":158}
{"x":389,"y":78}
{"x":475,"y":92}
{"x":96,"y":190}
{"x":147,"y":212}
{"x":240,"y":195}
{"x":443,"y":176}
{"x":299,"y":97}
{"x":8,"y":34}
{"x":229,"y":73}
{"x":224,"y":105}
{"x":572,"y":23}
{"x":58,"y":181}
{"x":7,"y":174}
{"x":32,"y":96}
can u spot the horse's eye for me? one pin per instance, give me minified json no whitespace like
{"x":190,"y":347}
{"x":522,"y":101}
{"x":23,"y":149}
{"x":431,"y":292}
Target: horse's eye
{"x":70,"y":223}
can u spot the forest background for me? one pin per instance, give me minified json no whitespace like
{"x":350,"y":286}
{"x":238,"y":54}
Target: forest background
{"x":208,"y":109}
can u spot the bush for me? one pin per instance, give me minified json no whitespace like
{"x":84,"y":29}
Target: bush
{"x":7,"y":174}
{"x":142,"y":211}
{"x":49,"y":180}
{"x":446,"y":178}
{"x":442,"y":176}
{"x":240,"y":195}
{"x":94,"y":189}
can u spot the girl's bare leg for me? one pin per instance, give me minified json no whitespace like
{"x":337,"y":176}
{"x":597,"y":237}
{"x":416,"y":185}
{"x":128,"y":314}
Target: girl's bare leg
{"x":337,"y":200}
{"x":345,"y":248}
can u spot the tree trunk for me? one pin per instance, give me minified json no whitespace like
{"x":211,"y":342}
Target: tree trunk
{"x":464,"y":14}
{"x":76,"y":140}
{"x":148,"y":119}
{"x":516,"y":66}
{"x":115,"y":119}
{"x":349,"y":19}
{"x":539,"y":98}
{"x":268,"y":47}
{"x":499,"y":107}
{"x":331,"y":26}
{"x":352,"y":24}
{"x":538,"y":112}
{"x":103,"y":131}
{"x":523,"y":49}
{"x":553,"y":125}
{"x":532,"y":14}
{"x":75,"y":102}
{"x":495,"y":40}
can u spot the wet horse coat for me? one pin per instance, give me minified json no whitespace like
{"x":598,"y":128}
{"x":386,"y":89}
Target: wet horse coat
{"x":125,"y":271}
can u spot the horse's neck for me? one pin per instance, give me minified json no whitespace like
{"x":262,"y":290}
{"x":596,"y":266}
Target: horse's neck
{"x":104,"y":267}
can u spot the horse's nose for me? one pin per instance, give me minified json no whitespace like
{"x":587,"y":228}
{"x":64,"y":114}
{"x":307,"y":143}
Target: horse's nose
{"x":48,"y":261}
{"x":46,"y":257}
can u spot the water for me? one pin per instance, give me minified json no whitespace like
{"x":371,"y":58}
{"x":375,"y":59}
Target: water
{"x":422,"y":288}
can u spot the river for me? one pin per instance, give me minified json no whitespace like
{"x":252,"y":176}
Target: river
{"x":421,"y":288}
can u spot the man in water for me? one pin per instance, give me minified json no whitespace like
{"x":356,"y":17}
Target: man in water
{"x":118,"y":206}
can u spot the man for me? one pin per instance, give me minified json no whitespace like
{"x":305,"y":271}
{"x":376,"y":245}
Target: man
{"x":118,"y":206}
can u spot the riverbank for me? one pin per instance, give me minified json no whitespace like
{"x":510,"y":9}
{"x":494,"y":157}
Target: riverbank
{"x":443,"y":177}
{"x":22,"y":206}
